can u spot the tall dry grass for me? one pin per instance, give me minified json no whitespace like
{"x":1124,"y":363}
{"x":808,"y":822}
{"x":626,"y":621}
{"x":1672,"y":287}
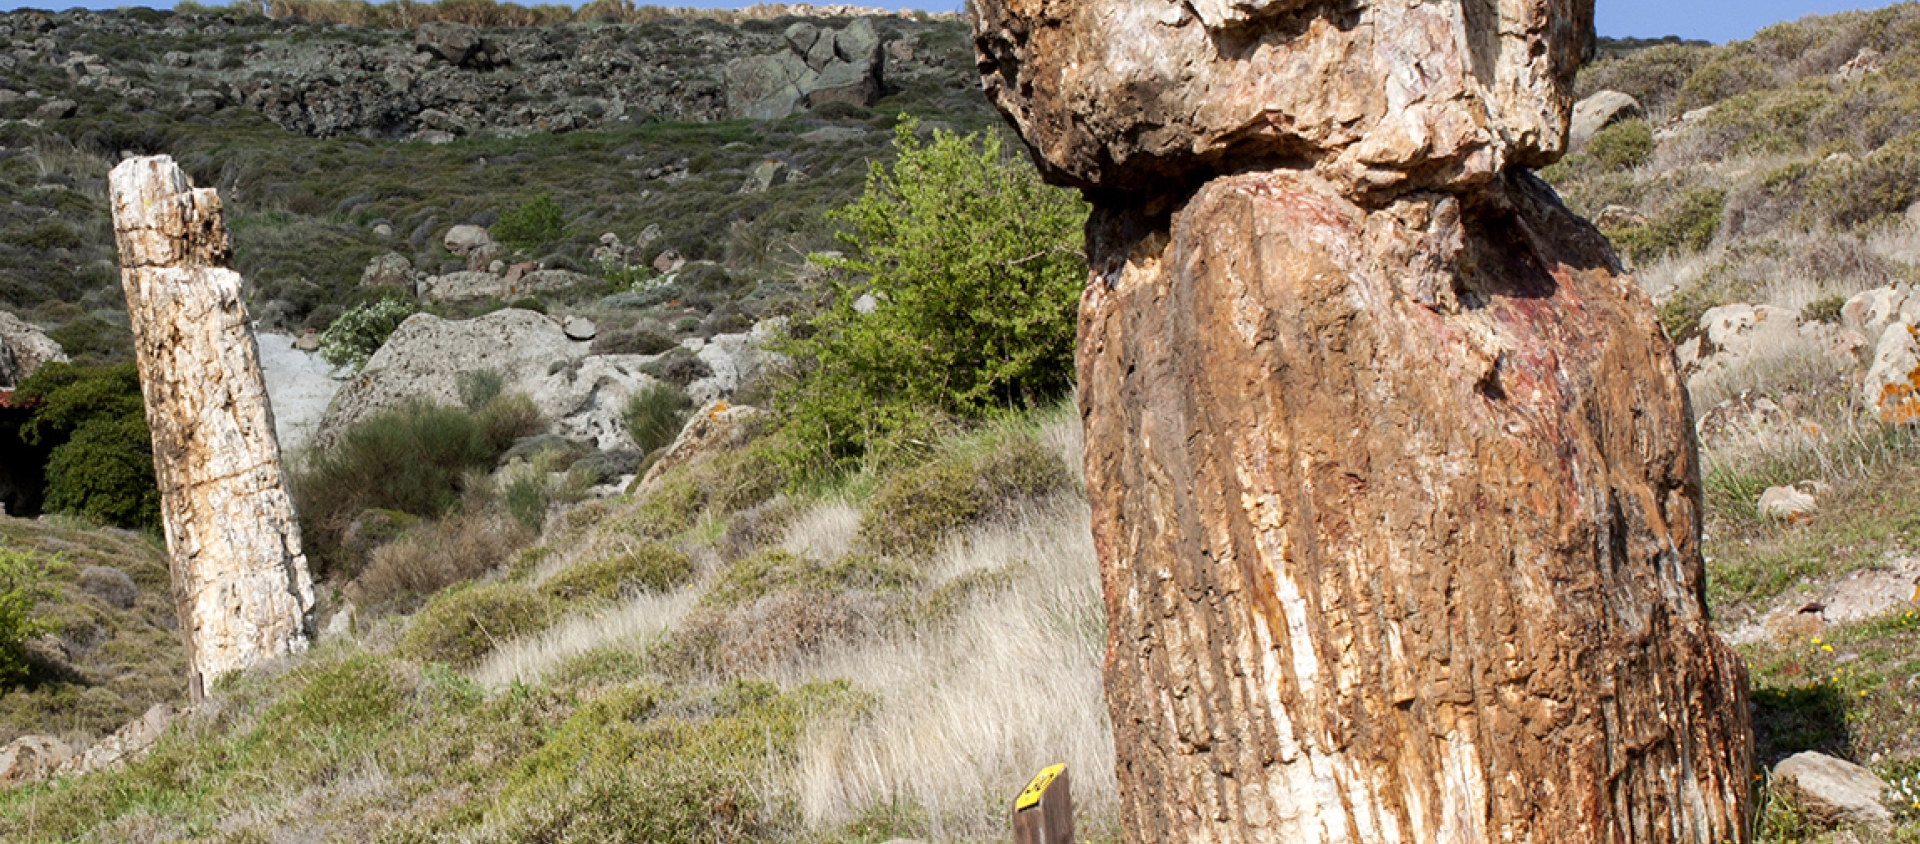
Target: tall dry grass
{"x":967,"y":709}
{"x":632,"y":623}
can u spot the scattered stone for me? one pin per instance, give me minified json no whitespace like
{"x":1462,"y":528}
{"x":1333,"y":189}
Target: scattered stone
{"x":462,"y":287}
{"x":668,"y":261}
{"x":580,"y":329}
{"x":1787,"y":504}
{"x":30,"y":758}
{"x":309,"y":341}
{"x":518,"y":271}
{"x":57,"y":110}
{"x":1834,"y":792}
{"x":454,"y":43}
{"x":833,"y":135}
{"x":718,"y":426}
{"x":389,"y":270}
{"x":768,"y":174}
{"x":341,"y":623}
{"x":550,"y":281}
{"x":111,"y":585}
{"x":383,"y":230}
{"x":462,"y":239}
{"x":128,"y":744}
{"x":483,"y":255}
{"x":1865,"y":63}
{"x":1599,"y":111}
{"x":24,"y":348}
{"x":1872,"y":311}
{"x":866,"y":304}
{"x":1892,"y":385}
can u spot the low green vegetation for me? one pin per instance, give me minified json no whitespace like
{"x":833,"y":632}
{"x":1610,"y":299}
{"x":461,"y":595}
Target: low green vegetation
{"x":918,"y":508}
{"x":460,"y":626}
{"x":531,"y":225}
{"x":654,"y":416}
{"x":652,"y":567}
{"x":22,"y":587}
{"x":102,"y":465}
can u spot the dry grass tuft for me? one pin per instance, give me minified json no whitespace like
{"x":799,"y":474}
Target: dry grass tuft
{"x":631,"y":623}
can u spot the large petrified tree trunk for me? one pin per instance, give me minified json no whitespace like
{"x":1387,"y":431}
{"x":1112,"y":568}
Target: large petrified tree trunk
{"x":239,"y":577}
{"x":1394,"y":483}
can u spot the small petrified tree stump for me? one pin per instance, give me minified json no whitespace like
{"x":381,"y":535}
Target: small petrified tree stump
{"x":1394,"y":482}
{"x":239,"y":577}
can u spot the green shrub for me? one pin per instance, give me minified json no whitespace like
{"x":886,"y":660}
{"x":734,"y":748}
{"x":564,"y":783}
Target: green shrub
{"x":358,"y":333}
{"x":410,"y":459}
{"x":669,"y":508}
{"x":1620,"y":146}
{"x":460,"y":627}
{"x":679,"y":366}
{"x":22,"y":587}
{"x":976,"y":266}
{"x":50,"y":234}
{"x":478,"y":387}
{"x":652,"y":567}
{"x":775,"y":570}
{"x":918,"y":508}
{"x":1688,"y":224}
{"x":527,"y":499}
{"x":102,"y":467}
{"x":1824,"y":309}
{"x":655,"y":415}
{"x":358,"y":693}
{"x":504,"y":419}
{"x":535,"y":223}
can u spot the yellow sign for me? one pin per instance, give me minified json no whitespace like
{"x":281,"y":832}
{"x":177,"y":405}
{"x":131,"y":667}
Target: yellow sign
{"x":1030,"y":796}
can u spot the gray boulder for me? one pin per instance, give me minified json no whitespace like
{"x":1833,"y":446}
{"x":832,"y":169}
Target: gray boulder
{"x":820,"y":66}
{"x":24,"y":348}
{"x":454,"y":43}
{"x":463,"y":239}
{"x":111,"y":585}
{"x":1834,"y":792}
{"x":462,"y":287}
{"x":389,"y":270}
{"x":1599,"y":111}
{"x":57,"y":110}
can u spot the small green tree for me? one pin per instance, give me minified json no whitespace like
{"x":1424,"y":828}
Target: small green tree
{"x":536,"y":223}
{"x":956,"y":298}
{"x":102,"y":467}
{"x":358,"y":333}
{"x":22,"y":586}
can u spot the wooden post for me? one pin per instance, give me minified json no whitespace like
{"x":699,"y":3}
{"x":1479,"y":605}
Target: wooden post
{"x":240,"y":578}
{"x":1043,"y":813}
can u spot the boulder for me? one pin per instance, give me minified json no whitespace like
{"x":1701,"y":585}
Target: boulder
{"x":462,"y":287}
{"x":1834,"y":792}
{"x":30,"y":758}
{"x":24,"y":348}
{"x":1892,"y":386}
{"x":717,"y":427}
{"x":57,"y":109}
{"x":580,"y":329}
{"x":1787,"y":504}
{"x":465,"y":238}
{"x":128,"y":744}
{"x":481,"y":258}
{"x":389,"y":270}
{"x":454,"y":43}
{"x":819,"y":66}
{"x":299,"y":386}
{"x":767,"y":87}
{"x":549,"y":281}
{"x":581,"y":395}
{"x":801,"y":36}
{"x":1870,"y":312}
{"x":1599,"y":111}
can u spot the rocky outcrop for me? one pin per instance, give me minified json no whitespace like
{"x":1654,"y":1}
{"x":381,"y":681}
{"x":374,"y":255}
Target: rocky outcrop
{"x":820,"y":66}
{"x":239,"y":574}
{"x":1834,"y":792}
{"x":24,"y":348}
{"x":713,"y":429}
{"x":30,"y":758}
{"x":1393,"y":483}
{"x":475,"y":286}
{"x":389,"y":270}
{"x":299,"y":386}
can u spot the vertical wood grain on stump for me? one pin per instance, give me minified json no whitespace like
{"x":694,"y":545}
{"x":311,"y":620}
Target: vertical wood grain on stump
{"x":1382,"y":572}
{"x":240,"y":578}
{"x":1043,"y":813}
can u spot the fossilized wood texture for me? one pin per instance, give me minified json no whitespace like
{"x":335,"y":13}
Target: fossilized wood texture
{"x":1398,"y":513}
{"x":1378,"y":95}
{"x":239,"y":576}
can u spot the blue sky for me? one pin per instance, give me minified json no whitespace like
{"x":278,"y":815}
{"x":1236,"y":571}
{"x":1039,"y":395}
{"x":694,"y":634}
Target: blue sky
{"x":1712,"y":20}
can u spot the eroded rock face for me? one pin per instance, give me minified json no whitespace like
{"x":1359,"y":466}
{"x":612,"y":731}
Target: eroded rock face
{"x":1378,"y":96}
{"x":1393,"y":479}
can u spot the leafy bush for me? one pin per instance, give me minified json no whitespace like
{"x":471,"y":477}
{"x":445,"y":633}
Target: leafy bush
{"x":102,"y":467}
{"x":527,"y":499}
{"x":975,"y":268}
{"x":1622,"y":145}
{"x":410,"y":459}
{"x":358,"y":333}
{"x":506,"y":418}
{"x":1688,"y":224}
{"x":1825,"y":309}
{"x":22,"y":586}
{"x":460,"y":627}
{"x":918,"y":508}
{"x":652,"y":567}
{"x":654,"y":416}
{"x":533,"y":224}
